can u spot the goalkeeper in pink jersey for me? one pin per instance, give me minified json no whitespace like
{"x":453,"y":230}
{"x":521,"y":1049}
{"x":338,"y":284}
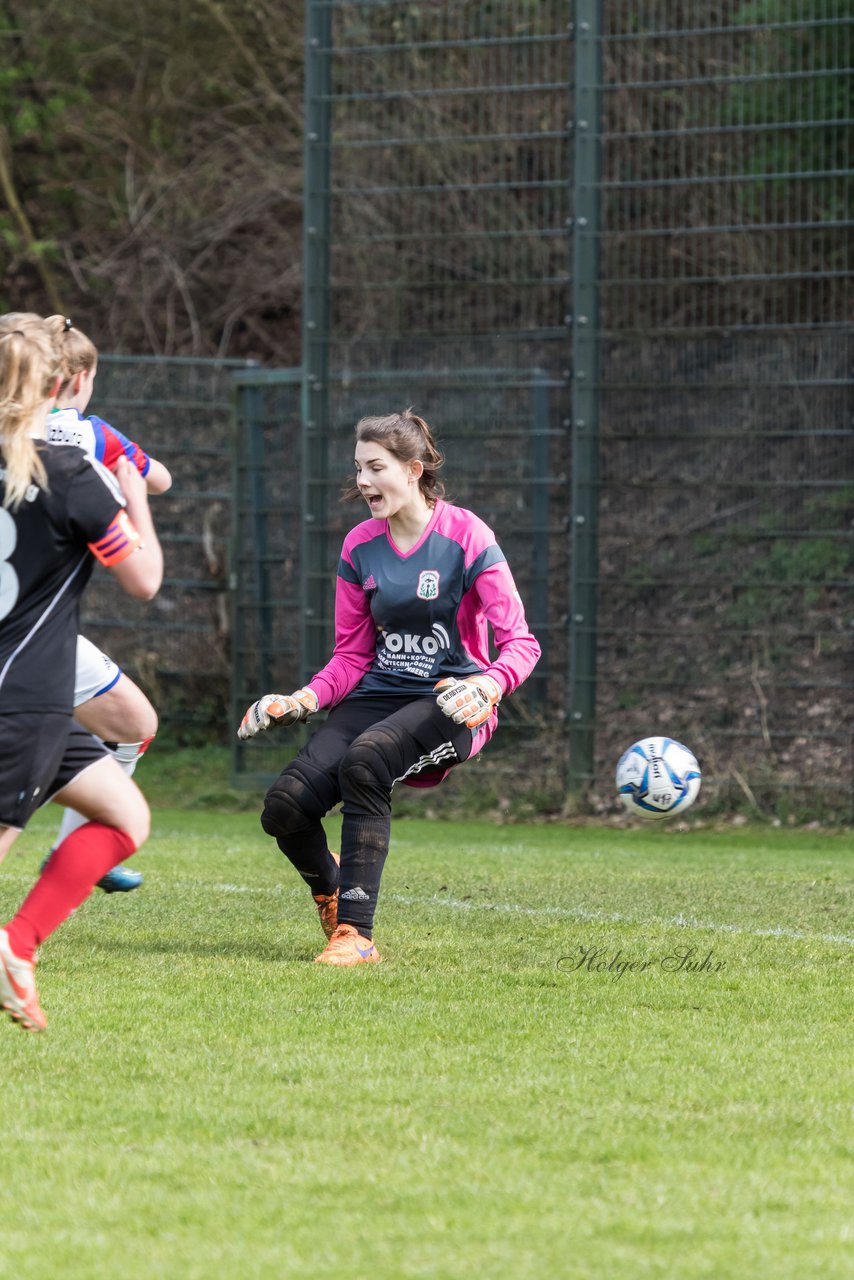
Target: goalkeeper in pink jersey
{"x":411,"y":685}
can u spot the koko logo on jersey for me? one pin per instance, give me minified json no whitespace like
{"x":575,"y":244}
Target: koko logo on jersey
{"x":406,"y":642}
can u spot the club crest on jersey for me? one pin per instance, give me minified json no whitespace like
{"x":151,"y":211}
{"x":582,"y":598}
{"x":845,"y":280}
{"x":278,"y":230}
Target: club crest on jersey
{"x":428,"y":584}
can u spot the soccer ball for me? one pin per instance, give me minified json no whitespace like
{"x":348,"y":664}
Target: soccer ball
{"x":657,"y":778}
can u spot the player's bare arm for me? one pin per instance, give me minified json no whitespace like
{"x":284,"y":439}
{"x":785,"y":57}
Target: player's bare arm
{"x":141,"y":573}
{"x":159,"y":478}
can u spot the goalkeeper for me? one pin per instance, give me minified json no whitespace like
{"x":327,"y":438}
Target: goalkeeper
{"x":411,"y":684}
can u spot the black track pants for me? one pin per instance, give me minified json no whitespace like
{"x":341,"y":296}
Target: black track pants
{"x":364,"y":747}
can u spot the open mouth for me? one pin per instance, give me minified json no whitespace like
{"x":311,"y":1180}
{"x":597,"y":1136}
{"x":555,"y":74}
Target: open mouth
{"x":373,"y":500}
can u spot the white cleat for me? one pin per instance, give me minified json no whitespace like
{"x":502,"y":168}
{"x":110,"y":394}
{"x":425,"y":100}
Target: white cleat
{"x":18,"y":995}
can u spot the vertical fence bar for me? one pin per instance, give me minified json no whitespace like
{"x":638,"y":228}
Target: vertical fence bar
{"x":249,"y":527}
{"x":585,"y":398}
{"x":237,"y":616}
{"x":253,"y":418}
{"x":315,"y":334}
{"x":264,"y":566}
{"x":538,"y":602}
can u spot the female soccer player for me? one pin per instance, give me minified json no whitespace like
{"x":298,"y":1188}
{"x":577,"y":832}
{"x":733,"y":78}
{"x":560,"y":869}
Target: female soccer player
{"x":60,"y":510}
{"x":411,"y":684}
{"x":106,"y":701}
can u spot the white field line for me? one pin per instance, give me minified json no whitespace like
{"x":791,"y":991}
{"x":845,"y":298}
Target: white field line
{"x":616,"y":917}
{"x":680,"y":921}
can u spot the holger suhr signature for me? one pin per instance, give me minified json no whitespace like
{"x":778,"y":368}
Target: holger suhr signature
{"x":602,"y":959}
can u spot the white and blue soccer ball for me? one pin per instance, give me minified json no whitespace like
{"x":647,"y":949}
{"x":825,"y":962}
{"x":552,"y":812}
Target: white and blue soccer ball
{"x":658,"y":778}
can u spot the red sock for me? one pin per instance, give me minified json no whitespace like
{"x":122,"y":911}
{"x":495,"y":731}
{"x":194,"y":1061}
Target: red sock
{"x":67,"y":880}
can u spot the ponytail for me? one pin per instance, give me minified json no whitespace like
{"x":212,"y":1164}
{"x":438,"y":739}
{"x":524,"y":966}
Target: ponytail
{"x":409,"y":439}
{"x":76,"y":352}
{"x":29,"y":368}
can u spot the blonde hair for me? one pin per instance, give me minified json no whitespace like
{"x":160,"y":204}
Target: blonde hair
{"x":29,"y":368}
{"x":409,"y":439}
{"x":76,"y":351}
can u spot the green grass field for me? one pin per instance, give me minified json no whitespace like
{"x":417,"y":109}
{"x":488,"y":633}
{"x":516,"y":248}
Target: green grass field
{"x":502,"y":1097}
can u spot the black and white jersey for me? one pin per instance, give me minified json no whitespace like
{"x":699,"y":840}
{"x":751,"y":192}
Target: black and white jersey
{"x":45,"y":563}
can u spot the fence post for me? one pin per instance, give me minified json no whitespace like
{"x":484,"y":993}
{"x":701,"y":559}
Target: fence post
{"x":249,"y":527}
{"x":538,"y":601}
{"x":584,"y":326}
{"x":315,"y":335}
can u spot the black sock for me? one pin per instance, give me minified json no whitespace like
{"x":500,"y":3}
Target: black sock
{"x":310,"y":854}
{"x":364,"y":849}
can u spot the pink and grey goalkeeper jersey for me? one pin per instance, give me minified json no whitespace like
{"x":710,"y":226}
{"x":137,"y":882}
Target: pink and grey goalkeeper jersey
{"x":404,"y":620}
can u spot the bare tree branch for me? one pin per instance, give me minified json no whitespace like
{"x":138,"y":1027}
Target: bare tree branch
{"x":10,"y":194}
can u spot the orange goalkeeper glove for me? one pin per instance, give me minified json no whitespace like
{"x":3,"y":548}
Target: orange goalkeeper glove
{"x":469,"y":701}
{"x":279,"y":708}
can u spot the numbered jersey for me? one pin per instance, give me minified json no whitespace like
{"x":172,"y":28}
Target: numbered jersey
{"x":45,"y":563}
{"x":96,"y":437}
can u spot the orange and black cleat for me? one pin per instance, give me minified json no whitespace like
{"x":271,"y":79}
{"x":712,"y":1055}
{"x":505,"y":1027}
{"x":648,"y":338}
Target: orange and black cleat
{"x":348,"y":947}
{"x":327,"y":906}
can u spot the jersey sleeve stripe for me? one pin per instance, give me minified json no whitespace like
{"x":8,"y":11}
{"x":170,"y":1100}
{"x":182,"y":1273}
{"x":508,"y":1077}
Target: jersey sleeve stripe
{"x":488,"y":557}
{"x":348,"y":572}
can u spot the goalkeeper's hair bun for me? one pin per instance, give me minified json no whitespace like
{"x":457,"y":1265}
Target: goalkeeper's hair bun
{"x":408,"y":437}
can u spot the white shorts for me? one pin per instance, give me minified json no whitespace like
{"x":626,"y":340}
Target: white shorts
{"x":95,"y":672}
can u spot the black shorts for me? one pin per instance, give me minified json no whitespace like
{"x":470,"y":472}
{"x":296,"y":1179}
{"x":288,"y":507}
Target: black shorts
{"x":39,"y":755}
{"x":429,"y":743}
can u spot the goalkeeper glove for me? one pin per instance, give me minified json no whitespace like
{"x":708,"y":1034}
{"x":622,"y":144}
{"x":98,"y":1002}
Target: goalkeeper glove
{"x":278,"y":707}
{"x":468,"y":701}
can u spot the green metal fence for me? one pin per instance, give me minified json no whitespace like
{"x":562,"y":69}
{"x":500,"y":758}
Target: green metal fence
{"x":607,"y":253}
{"x":437,"y":275}
{"x":726,"y":494}
{"x":270,"y":612}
